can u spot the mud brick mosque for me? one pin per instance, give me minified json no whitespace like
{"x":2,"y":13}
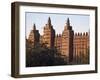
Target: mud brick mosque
{"x":69,"y":43}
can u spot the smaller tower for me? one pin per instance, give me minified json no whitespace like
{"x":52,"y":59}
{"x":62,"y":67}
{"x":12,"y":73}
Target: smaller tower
{"x":34,"y":36}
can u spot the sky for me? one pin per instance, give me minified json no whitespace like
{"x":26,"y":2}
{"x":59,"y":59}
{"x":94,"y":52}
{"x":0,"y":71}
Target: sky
{"x":79,"y":23}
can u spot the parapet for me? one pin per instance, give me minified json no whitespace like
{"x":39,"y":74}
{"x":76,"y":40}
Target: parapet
{"x":81,"y":34}
{"x":58,"y":35}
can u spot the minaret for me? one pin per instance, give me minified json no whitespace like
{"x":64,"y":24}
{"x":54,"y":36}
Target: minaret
{"x":67,"y":41}
{"x":34,"y":36}
{"x":49,"y":34}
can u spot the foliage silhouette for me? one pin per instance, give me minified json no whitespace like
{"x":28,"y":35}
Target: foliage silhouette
{"x":42,"y":56}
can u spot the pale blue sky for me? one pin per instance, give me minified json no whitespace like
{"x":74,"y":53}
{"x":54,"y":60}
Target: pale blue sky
{"x":79,"y":23}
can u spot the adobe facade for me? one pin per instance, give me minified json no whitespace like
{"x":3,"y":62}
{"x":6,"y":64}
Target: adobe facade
{"x":69,"y":44}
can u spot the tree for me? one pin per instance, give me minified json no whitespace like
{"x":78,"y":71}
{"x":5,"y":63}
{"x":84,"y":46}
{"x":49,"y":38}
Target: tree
{"x":43,"y":56}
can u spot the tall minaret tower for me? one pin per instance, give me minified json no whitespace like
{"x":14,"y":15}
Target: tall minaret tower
{"x":49,"y":34}
{"x":67,"y":41}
